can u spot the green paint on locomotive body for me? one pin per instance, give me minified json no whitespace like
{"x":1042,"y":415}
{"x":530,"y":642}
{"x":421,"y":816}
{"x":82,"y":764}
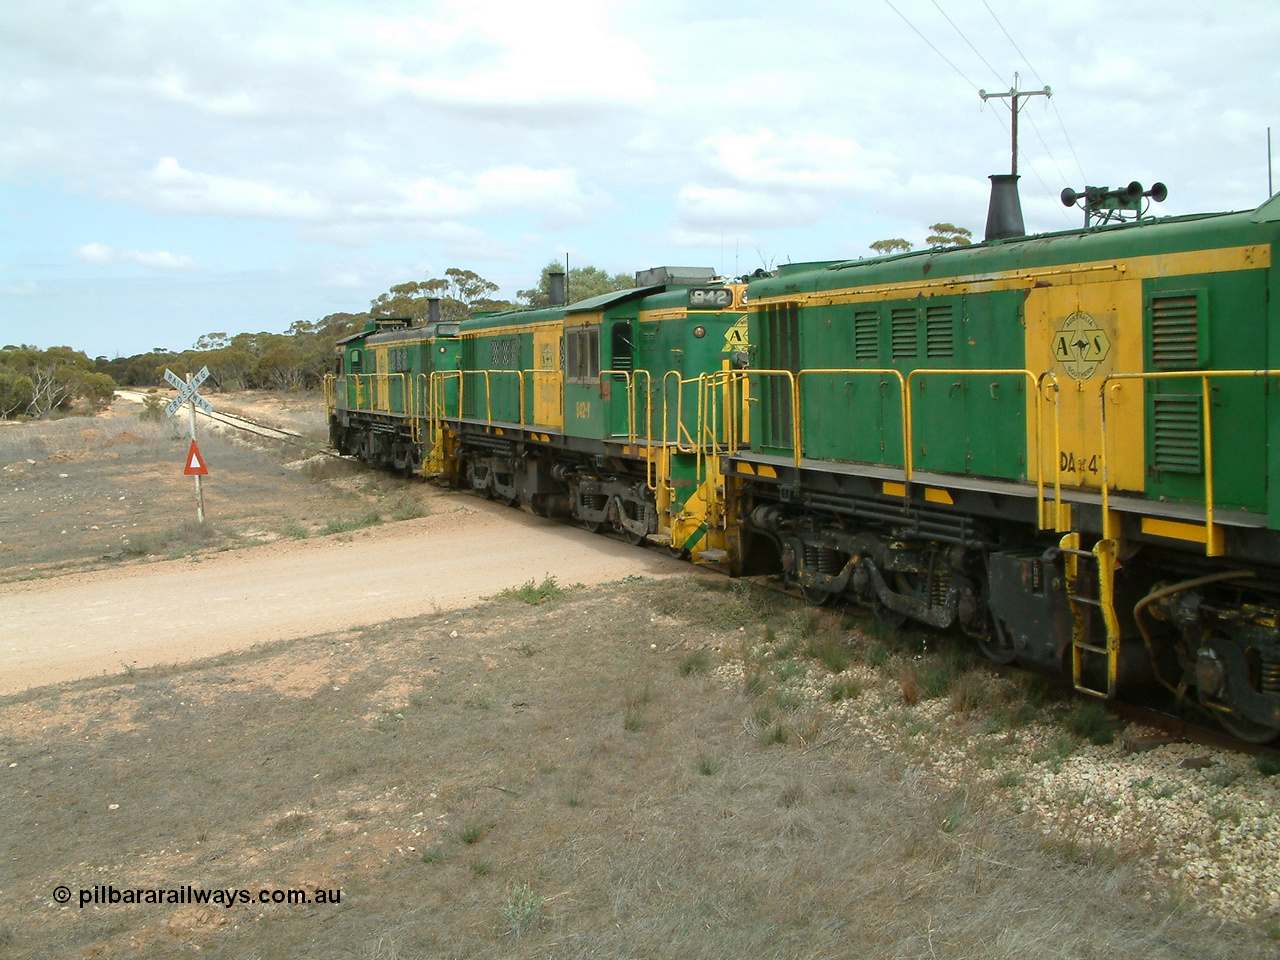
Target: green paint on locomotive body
{"x":973,"y":307}
{"x":676,"y":346}
{"x":388,"y":371}
{"x":961,"y":423}
{"x":498,"y":358}
{"x":629,"y":365}
{"x":1141,"y":238}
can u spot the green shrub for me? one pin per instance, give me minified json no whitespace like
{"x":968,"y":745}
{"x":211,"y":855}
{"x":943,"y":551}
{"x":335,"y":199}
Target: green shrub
{"x":695,"y":661}
{"x":532,"y":592}
{"x":1091,"y":721}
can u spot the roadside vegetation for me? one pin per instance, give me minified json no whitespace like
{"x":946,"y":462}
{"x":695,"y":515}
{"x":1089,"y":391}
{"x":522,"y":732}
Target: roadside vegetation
{"x":39,"y":383}
{"x":82,"y":492}
{"x":643,"y":769}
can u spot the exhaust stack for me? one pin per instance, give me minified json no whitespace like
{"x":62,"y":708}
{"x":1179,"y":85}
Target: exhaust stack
{"x":1004,"y":215}
{"x":555,"y":288}
{"x":433,"y":310}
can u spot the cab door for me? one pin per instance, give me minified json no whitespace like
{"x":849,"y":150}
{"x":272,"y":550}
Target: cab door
{"x":615,"y":394}
{"x":544,"y":380}
{"x":584,"y":406}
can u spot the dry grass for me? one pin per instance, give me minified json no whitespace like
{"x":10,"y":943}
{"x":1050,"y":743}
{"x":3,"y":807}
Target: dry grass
{"x":544,"y":824}
{"x":82,"y":492}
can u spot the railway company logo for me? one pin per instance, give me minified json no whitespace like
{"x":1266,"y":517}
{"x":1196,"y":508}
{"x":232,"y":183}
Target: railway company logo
{"x":1080,"y":345}
{"x":735,"y":338}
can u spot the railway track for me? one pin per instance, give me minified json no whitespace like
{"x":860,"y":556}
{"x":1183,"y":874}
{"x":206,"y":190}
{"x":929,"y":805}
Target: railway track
{"x":247,"y":425}
{"x":1175,"y":728}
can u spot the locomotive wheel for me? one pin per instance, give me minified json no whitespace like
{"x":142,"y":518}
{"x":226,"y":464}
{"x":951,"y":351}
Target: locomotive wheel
{"x":1247,"y":730}
{"x":816,"y":595}
{"x":1242,"y":728}
{"x":890,"y":618}
{"x":592,"y":525}
{"x":887,"y":616}
{"x":635,"y":539}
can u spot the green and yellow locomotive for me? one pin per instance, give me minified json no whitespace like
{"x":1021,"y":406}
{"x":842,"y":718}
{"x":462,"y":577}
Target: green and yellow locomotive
{"x":610,"y":411}
{"x":1061,"y":444}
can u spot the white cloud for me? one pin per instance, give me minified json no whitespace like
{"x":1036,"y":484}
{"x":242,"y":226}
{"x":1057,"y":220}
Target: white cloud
{"x":360,"y":195}
{"x":799,"y":161}
{"x":710,"y":208}
{"x":102,"y":255}
{"x":169,"y":188}
{"x":490,"y":52}
{"x":98,"y":254}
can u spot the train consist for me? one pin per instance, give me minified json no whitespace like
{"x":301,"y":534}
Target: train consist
{"x":1059,"y":444}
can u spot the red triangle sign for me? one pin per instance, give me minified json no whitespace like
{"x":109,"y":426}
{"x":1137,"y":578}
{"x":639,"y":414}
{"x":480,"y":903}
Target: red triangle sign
{"x":195,"y":466}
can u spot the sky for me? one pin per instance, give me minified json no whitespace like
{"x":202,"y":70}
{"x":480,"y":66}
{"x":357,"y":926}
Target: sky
{"x":170,"y":169}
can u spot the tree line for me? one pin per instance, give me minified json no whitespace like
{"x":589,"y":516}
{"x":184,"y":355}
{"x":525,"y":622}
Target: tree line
{"x":38,"y":383}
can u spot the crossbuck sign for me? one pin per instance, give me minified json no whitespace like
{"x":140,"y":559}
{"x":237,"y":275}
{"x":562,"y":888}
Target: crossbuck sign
{"x":187,"y":391}
{"x":187,"y":394}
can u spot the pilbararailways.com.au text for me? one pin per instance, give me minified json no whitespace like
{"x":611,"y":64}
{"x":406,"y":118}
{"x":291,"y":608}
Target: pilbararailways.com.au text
{"x":111,"y":895}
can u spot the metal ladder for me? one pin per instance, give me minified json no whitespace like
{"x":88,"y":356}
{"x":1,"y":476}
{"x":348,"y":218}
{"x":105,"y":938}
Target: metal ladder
{"x":1089,"y":596}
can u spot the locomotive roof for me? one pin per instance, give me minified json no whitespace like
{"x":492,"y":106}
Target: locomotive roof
{"x":546,"y":314}
{"x":606,"y":300}
{"x":426,"y":331}
{"x":1138,"y":238}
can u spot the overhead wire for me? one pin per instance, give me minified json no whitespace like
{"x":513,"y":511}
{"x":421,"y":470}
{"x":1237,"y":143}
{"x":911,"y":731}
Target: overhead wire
{"x":1040,"y":79}
{"x":994,"y":73}
{"x":963,"y":76}
{"x":931,"y":46}
{"x":993,"y":70}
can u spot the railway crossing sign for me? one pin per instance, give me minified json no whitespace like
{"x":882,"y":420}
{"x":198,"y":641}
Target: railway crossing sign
{"x":187,"y":391}
{"x":195,"y":465}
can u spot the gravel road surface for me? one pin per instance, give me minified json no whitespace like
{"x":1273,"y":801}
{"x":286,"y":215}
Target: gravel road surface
{"x":169,"y":611}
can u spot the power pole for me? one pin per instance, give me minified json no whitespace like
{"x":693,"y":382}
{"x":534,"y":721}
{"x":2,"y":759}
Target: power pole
{"x":1013,"y":94}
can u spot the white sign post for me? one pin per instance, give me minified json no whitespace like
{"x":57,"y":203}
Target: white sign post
{"x":187,"y":394}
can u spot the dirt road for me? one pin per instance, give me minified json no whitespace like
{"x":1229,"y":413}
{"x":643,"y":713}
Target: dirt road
{"x":164,"y":612}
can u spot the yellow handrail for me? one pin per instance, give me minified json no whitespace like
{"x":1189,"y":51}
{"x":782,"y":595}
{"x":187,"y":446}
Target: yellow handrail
{"x":1213,"y":543}
{"x":874,"y":371}
{"x":1062,"y":513}
{"x":794,"y":395}
{"x":379,"y":386}
{"x":330,"y":393}
{"x":648,"y":406}
{"x":680,"y":382}
{"x":1035,"y":381}
{"x":542,"y":372}
{"x":630,"y":398}
{"x":438,"y":402}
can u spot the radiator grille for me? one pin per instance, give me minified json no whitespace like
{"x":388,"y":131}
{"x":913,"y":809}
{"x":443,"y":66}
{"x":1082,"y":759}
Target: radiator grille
{"x":866,"y":335}
{"x":939,"y":332}
{"x":1175,"y":337}
{"x":782,"y":346}
{"x":1176,"y":433}
{"x":904,"y":335}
